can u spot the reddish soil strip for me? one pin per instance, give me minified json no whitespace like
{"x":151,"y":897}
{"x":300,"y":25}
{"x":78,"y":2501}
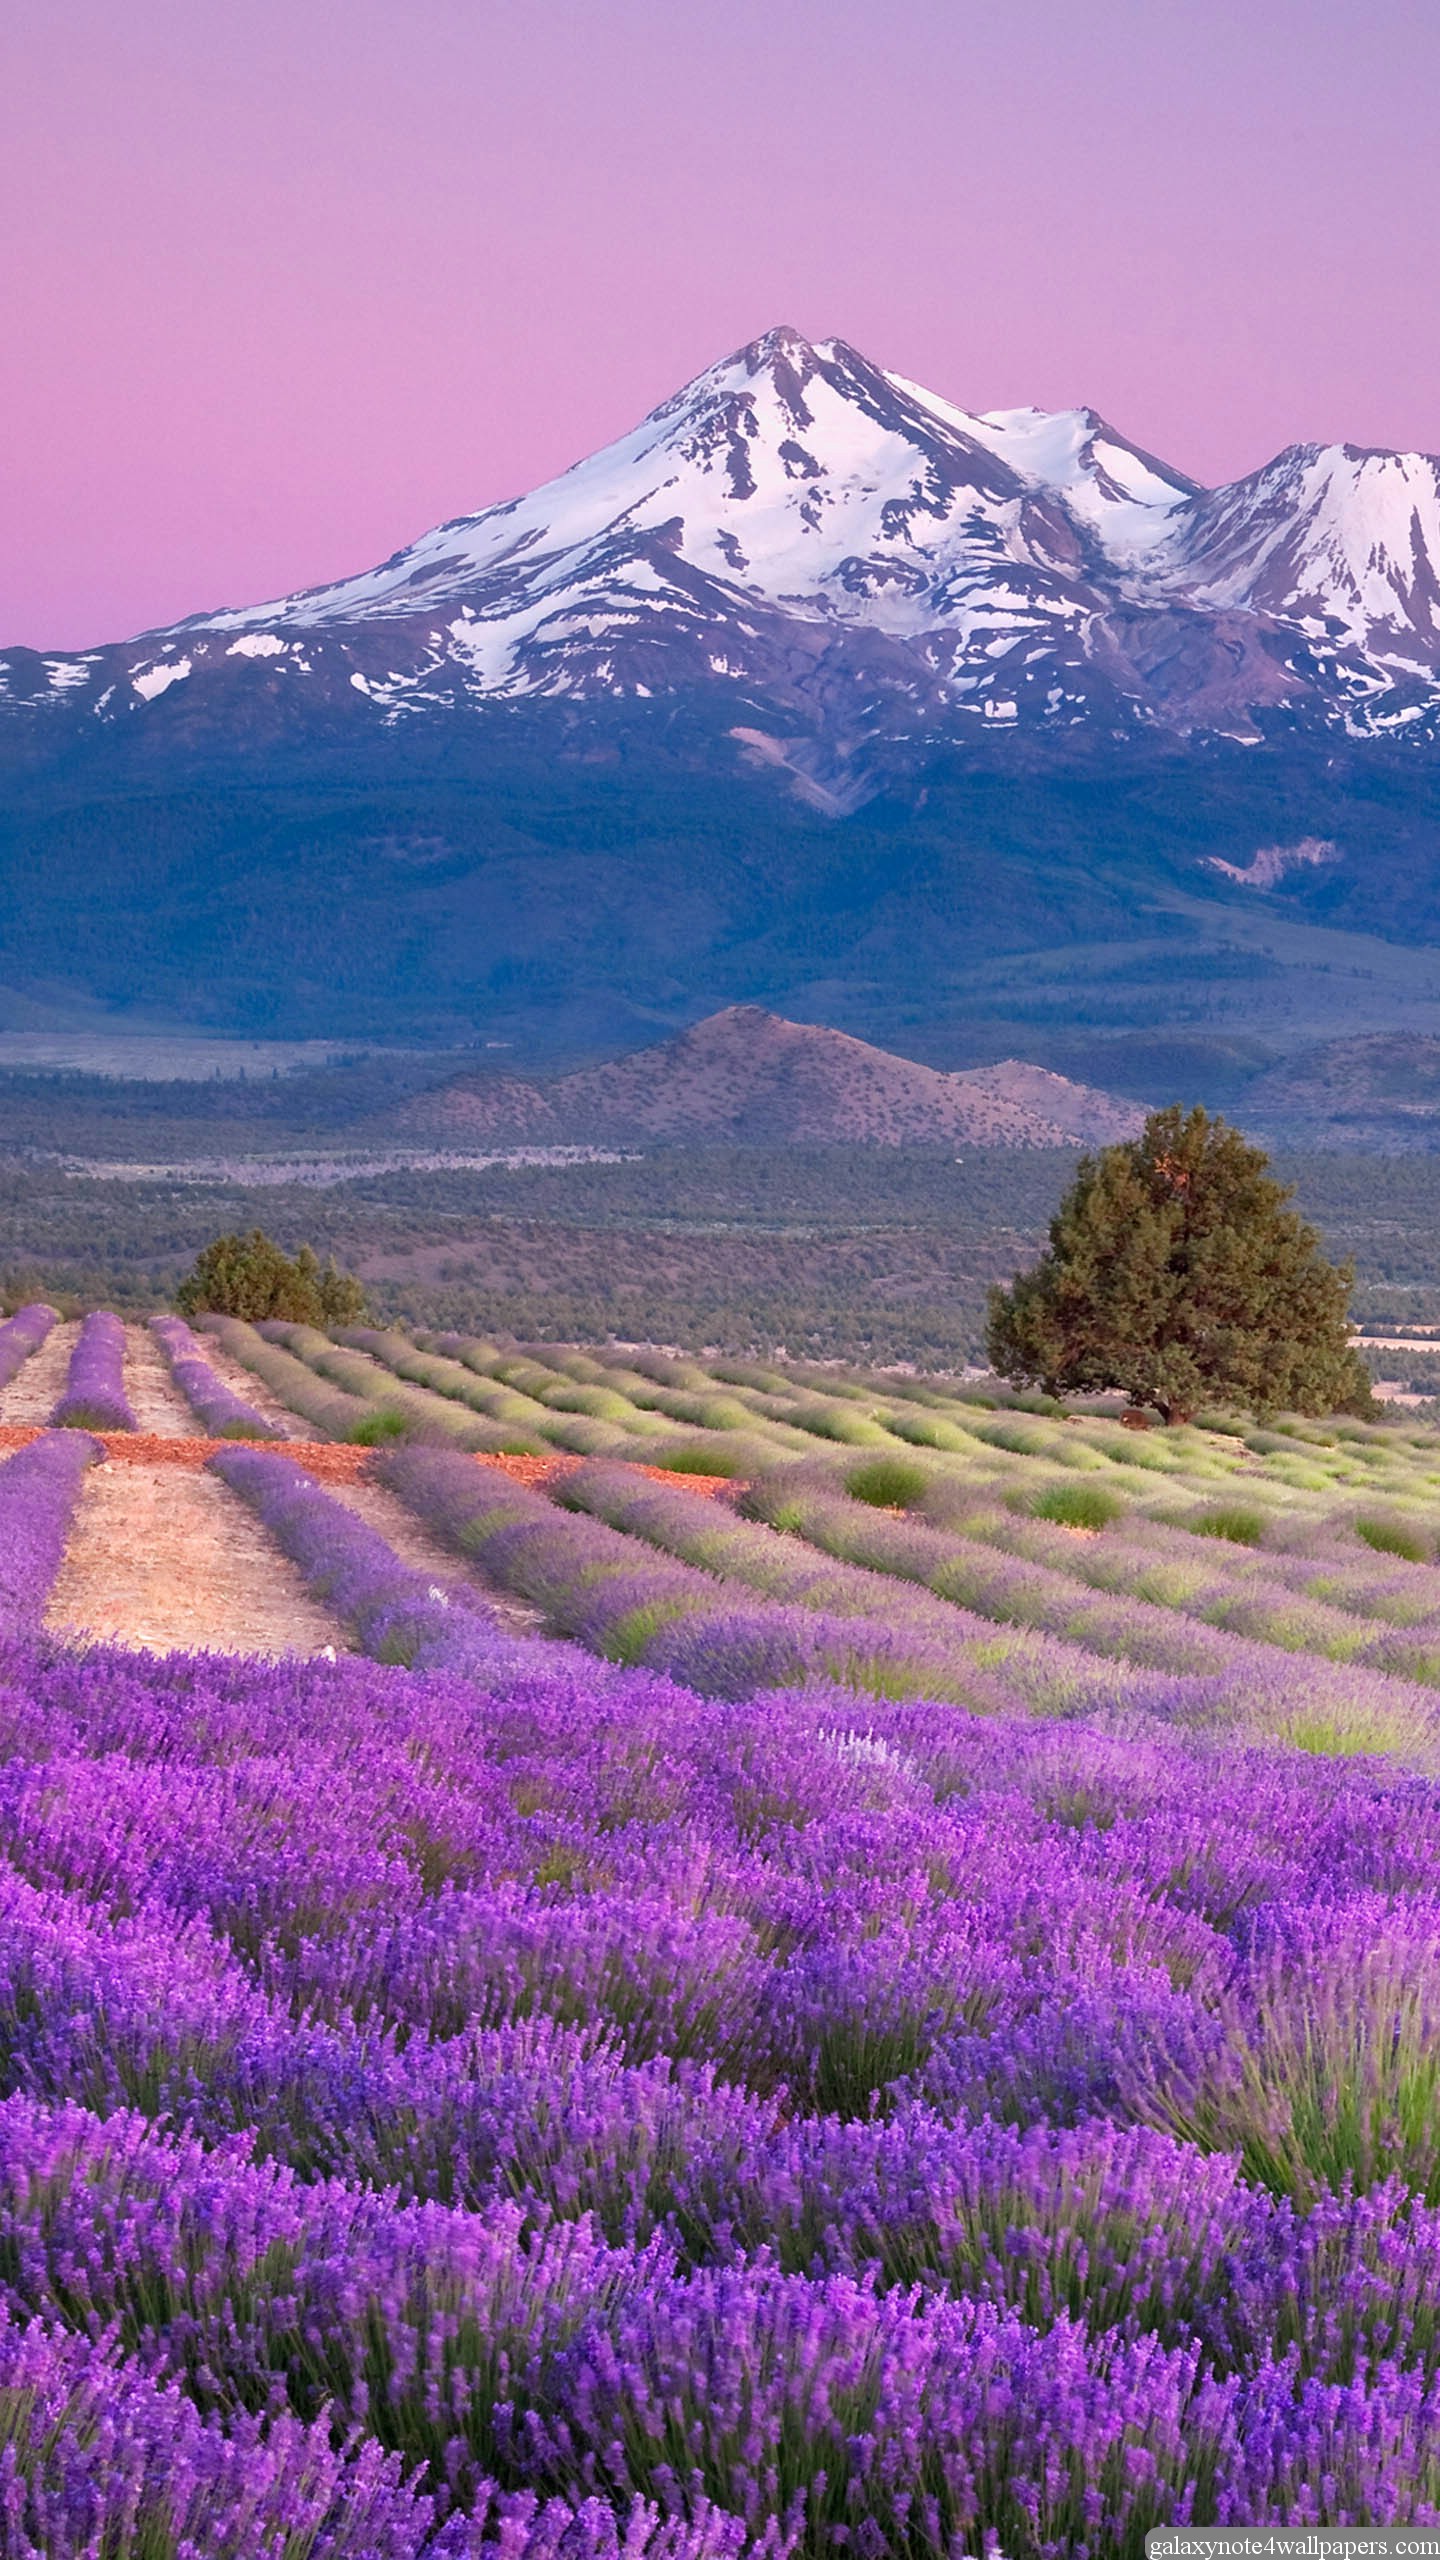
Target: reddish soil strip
{"x":166,"y":1558}
{"x":534,"y":1472}
{"x":538,"y":1472}
{"x":710,"y":1486}
{"x":38,"y":1385}
{"x":336,"y":1462}
{"x":330,"y":1462}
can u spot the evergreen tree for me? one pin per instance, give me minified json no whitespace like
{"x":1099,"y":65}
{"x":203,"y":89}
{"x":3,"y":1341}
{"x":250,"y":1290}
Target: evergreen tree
{"x":249,"y":1276}
{"x":1177,"y":1272}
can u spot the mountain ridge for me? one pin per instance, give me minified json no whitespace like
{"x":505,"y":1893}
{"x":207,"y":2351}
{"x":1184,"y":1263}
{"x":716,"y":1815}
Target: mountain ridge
{"x":977,"y":729}
{"x":813,"y":534}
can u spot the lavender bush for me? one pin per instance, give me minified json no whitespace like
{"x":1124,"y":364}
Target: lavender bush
{"x":225,"y":1415}
{"x":94,"y":1398}
{"x":602,"y":1588}
{"x":394,"y":1409}
{"x":847,"y":2073}
{"x":523,"y":1419}
{"x":39,"y":1488}
{"x":328,"y":1410}
{"x":22,"y":1336}
{"x":397,"y":1614}
{"x":545,"y":2114}
{"x":1064,"y":1635}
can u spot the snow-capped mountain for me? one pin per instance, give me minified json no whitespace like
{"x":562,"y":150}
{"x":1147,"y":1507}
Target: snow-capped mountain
{"x":827,"y":545}
{"x":1340,"y":543}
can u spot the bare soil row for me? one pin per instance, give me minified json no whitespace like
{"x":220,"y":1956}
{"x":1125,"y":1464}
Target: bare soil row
{"x":164,"y":1557}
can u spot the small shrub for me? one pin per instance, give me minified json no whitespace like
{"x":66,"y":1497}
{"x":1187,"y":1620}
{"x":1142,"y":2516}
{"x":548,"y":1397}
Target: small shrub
{"x":927,"y":1431}
{"x":1078,"y":1506}
{"x":627,"y":1638}
{"x":688,"y":1460}
{"x":890,"y":1484}
{"x":1236,"y":1521}
{"x":1394,"y":1538}
{"x":378,"y":1428}
{"x":834,"y":1422}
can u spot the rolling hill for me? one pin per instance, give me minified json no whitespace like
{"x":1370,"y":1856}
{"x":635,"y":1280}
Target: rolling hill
{"x":745,"y":1077}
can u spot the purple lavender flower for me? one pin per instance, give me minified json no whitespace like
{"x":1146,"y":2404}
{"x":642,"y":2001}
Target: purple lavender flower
{"x":100,"y":2456}
{"x":94,"y":1398}
{"x":398,"y":1614}
{"x":39,"y":1488}
{"x":524,"y":2107}
{"x":21,"y":1336}
{"x":225,"y":1415}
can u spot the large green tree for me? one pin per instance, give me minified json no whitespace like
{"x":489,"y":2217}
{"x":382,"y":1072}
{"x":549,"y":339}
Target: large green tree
{"x":249,"y":1275}
{"x":1177,"y":1271}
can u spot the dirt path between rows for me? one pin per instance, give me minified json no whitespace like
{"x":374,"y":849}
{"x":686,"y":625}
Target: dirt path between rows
{"x":155,"y":1400}
{"x":167,"y":1559}
{"x":414,"y":1546}
{"x":37,"y":1387}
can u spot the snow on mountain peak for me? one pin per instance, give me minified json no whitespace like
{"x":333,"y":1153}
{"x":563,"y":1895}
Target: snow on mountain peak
{"x":1112,"y":486}
{"x":860,"y":554}
{"x":770,"y":471}
{"x":1342,"y":540}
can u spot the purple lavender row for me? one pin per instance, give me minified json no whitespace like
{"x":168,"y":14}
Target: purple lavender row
{"x":1273,"y":1598}
{"x":537,"y":2127}
{"x":1016,"y":1589}
{"x":399,"y":1616}
{"x":815,"y":1970}
{"x":818,"y":1899}
{"x":878,"y":1985}
{"x":95,"y":1398}
{"x":225,"y":1415}
{"x":21,"y":1337}
{"x":39,"y":1488}
{"x":605,"y":1590}
{"x":244,"y":2280}
{"x":102,"y":2457}
{"x":1070,"y":1652}
{"x":1326,"y":1562}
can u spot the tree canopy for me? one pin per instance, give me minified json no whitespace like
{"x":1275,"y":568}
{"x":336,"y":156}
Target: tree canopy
{"x":249,"y":1276}
{"x":1177,"y":1271}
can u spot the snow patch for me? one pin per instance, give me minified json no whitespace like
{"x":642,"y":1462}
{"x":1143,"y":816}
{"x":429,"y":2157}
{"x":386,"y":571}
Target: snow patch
{"x":1273,"y":862}
{"x":153,"y":681}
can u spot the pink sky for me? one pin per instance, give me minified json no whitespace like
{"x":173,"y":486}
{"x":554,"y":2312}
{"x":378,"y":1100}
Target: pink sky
{"x":286,"y":282}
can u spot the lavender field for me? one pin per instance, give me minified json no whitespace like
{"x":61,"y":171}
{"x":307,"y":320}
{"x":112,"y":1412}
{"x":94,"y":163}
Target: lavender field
{"x":903,"y":2016}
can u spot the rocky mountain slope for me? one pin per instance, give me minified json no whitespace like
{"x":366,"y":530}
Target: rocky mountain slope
{"x":746,"y":1076}
{"x":1379,"y":1095}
